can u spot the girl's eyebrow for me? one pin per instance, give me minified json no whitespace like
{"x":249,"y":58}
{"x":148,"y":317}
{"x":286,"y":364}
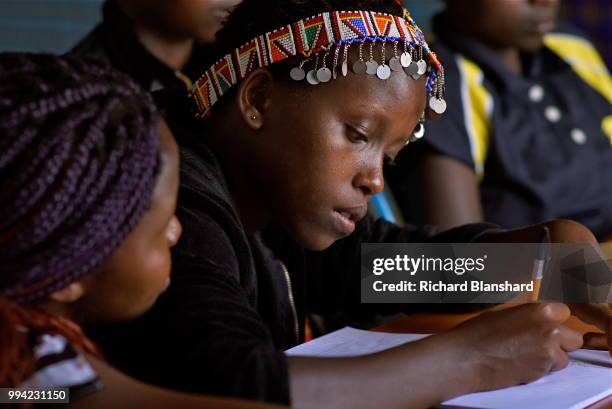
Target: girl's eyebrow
{"x":371,"y":120}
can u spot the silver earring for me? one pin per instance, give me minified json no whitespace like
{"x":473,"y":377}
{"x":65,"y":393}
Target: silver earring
{"x":418,"y":133}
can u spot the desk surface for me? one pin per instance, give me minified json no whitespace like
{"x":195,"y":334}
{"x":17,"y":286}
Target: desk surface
{"x":427,"y":323}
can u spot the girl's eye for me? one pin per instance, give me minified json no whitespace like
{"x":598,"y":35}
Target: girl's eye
{"x":356,"y":136}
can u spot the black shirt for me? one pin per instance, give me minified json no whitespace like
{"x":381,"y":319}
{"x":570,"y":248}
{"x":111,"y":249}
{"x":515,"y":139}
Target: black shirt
{"x":540,"y":143}
{"x":224,"y":322}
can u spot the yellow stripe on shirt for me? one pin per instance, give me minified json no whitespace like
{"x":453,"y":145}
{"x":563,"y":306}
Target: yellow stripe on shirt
{"x":584,"y":60}
{"x":606,"y":127}
{"x":477,"y":107}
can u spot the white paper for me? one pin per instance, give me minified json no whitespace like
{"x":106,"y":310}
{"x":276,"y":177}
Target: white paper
{"x":347,"y":342}
{"x":586,"y":380}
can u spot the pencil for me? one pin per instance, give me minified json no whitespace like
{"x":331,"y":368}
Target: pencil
{"x":539,"y":263}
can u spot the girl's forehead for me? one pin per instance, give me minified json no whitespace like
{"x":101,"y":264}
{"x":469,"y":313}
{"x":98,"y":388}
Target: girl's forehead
{"x":370,"y":95}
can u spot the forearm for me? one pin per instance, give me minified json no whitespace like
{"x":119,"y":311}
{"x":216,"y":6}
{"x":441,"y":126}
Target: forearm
{"x":121,"y":390}
{"x":561,"y":231}
{"x":419,"y":374}
{"x":449,"y":194}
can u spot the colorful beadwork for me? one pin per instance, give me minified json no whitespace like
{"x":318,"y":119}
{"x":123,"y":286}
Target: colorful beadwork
{"x":313,"y":35}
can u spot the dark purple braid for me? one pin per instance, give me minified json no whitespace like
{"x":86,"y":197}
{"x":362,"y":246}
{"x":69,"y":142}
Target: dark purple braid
{"x":79,"y":156}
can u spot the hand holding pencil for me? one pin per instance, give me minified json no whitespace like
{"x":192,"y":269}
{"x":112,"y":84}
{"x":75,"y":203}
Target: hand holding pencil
{"x":599,"y":315}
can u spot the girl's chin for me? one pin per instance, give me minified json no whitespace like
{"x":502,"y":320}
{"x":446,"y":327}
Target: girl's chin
{"x":314,"y":233}
{"x":319,"y":241}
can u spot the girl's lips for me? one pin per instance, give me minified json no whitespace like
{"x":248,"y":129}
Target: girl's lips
{"x":343,"y":222}
{"x":544,"y":26}
{"x":225,"y":8}
{"x":221,"y":14}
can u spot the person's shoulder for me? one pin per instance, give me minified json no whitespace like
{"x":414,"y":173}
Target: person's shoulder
{"x":199,"y":168}
{"x":201,"y":173}
{"x":91,"y":44}
{"x":213,"y":240}
{"x":564,"y":28}
{"x":204,"y":200}
{"x":568,"y":39}
{"x":576,"y":50}
{"x":204,"y":203}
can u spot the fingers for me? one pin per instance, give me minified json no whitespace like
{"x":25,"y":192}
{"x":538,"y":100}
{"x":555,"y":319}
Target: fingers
{"x":560,"y":360}
{"x":561,"y":340}
{"x":555,"y":312}
{"x":594,"y":340}
{"x":569,"y":340}
{"x":599,"y":315}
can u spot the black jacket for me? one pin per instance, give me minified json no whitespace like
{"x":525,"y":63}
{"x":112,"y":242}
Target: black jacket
{"x":223,"y":324}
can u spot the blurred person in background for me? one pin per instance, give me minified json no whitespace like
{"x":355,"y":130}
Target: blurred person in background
{"x":528,"y":131}
{"x":159,"y":43}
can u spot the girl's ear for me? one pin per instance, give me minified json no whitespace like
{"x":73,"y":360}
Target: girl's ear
{"x":254,"y":97}
{"x":69,"y":294}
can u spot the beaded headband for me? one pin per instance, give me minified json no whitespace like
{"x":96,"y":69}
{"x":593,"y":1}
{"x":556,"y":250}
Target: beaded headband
{"x":324,"y":41}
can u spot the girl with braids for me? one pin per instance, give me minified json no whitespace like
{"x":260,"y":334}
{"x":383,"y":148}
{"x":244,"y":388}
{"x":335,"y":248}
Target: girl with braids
{"x":302,"y":103}
{"x":88,"y":186}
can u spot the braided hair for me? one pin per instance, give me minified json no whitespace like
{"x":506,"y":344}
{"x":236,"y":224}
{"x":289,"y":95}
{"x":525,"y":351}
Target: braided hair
{"x":79,"y":156}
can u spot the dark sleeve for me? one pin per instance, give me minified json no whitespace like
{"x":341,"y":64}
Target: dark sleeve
{"x":334,"y":276}
{"x":448,"y":135}
{"x":203,"y":335}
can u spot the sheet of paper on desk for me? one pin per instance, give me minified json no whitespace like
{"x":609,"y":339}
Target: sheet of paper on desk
{"x":586,"y":380}
{"x":349,"y":341}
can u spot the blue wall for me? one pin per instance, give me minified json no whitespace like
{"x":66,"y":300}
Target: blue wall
{"x":45,"y":25}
